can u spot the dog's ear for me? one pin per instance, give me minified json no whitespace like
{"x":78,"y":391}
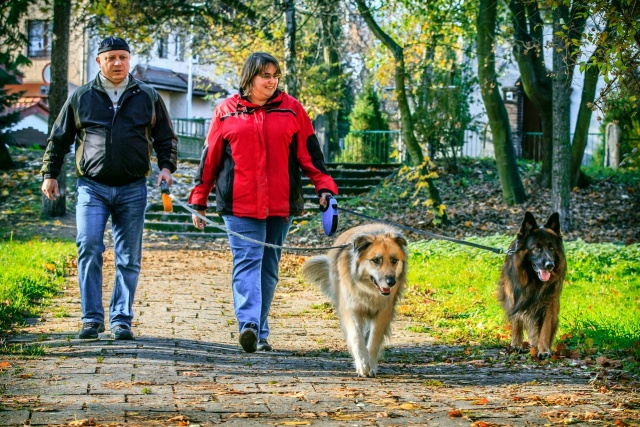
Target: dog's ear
{"x":401,"y":241}
{"x":398,"y":238}
{"x":553,"y":223}
{"x":362,"y":242}
{"x":528,"y":224}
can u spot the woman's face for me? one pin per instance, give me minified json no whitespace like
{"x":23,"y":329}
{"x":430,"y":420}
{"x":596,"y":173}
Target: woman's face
{"x":264,"y":85}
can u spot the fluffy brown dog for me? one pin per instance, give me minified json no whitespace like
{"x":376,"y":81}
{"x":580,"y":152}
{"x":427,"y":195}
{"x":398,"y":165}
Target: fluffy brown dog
{"x":363,"y":280}
{"x":531,"y":283}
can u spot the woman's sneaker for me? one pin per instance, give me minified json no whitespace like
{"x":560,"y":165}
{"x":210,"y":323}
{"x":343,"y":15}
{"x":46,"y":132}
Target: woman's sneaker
{"x":122,"y":332}
{"x":90,"y":330}
{"x":263,"y":345}
{"x":249,"y":338}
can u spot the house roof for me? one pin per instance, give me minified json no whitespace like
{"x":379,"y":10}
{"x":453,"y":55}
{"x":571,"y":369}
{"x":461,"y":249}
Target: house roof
{"x":28,"y":106}
{"x":165,"y":79}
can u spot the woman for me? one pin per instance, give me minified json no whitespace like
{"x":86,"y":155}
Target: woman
{"x":258,"y":142}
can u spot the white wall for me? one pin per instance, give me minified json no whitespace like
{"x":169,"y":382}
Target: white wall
{"x":35,"y":121}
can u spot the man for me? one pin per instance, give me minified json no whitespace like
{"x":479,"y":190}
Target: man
{"x":114,"y":121}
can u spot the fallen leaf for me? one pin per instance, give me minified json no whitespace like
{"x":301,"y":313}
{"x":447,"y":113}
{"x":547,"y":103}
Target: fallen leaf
{"x":82,"y":423}
{"x":455,"y":413}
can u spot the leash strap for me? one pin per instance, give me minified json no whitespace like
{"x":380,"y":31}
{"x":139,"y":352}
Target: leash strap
{"x":258,"y":242}
{"x":426,"y":233}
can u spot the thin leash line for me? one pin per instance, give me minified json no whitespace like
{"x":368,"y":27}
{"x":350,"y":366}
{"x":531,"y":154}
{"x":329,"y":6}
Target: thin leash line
{"x":269,"y":245}
{"x":426,"y":233}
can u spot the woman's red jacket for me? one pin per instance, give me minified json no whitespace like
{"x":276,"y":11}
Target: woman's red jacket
{"x":253,"y":156}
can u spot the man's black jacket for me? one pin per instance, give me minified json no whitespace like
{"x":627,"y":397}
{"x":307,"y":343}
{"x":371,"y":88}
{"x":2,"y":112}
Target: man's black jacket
{"x":114,"y":149}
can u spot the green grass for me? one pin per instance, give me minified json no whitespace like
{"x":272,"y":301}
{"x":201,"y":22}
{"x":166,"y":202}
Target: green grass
{"x":32,"y":272}
{"x":451,"y":294}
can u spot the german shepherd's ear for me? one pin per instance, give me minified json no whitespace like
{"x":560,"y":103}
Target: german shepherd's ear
{"x":362,"y":242}
{"x":528,"y":224}
{"x":553,"y":223}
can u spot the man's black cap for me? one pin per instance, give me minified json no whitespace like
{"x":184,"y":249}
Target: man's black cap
{"x":113,"y":43}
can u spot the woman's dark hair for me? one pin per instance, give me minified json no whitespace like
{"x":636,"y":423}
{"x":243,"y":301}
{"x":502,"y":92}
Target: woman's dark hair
{"x":255,"y":64}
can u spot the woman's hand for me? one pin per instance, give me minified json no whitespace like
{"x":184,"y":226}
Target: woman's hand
{"x":198,"y":222}
{"x":324,"y":199}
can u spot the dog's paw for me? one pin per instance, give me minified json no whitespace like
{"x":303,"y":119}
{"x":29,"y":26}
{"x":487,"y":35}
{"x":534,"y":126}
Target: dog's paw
{"x":363,"y":369}
{"x":517,"y":349}
{"x":544,"y":354}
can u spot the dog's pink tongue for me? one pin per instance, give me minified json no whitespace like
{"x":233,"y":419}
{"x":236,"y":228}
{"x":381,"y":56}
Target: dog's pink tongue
{"x":545,"y":275}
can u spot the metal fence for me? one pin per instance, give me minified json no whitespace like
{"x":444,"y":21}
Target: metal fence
{"x":369,"y":147}
{"x":191,"y":134}
{"x":388,"y":147}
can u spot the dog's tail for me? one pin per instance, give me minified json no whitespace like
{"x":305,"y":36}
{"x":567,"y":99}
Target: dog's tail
{"x":316,"y":270}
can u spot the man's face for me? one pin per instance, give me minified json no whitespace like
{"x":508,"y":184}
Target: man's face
{"x":114,"y":65}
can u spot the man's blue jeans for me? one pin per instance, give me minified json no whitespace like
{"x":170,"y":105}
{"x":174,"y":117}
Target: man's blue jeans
{"x":126,"y":206}
{"x":255,"y":267}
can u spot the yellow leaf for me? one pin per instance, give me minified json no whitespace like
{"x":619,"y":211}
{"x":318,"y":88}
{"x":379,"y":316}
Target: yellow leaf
{"x":174,"y":237}
{"x":50,"y":267}
{"x":407,"y":406}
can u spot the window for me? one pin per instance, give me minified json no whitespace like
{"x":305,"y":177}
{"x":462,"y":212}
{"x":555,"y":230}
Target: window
{"x":40,"y":34}
{"x":163,"y":47}
{"x":179,"y":47}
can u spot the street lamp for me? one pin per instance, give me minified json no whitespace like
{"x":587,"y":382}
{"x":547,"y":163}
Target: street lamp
{"x":190,"y":78}
{"x":190,"y":65}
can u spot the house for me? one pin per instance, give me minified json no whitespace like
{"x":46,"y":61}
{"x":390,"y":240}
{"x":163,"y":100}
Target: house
{"x":168,"y":67}
{"x":33,"y":125}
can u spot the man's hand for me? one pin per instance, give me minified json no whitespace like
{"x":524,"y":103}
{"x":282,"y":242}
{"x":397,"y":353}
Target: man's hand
{"x":198,"y":222}
{"x":50,"y":188}
{"x":166,"y":175}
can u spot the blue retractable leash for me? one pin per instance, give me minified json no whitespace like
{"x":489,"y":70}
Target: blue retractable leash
{"x":330,"y":216}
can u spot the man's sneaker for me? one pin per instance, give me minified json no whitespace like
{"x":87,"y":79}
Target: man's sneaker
{"x":122,"y":332}
{"x":263,"y":345}
{"x":249,"y":338}
{"x":90,"y":330}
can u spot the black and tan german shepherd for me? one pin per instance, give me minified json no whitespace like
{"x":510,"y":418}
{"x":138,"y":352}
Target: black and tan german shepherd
{"x":531,"y":283}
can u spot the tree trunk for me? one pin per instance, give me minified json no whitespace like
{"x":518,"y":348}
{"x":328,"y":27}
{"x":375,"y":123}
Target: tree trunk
{"x":536,"y":82}
{"x":512,"y":188}
{"x":406,"y":119}
{"x":561,"y":183}
{"x":290,"y":69}
{"x":6,"y":162}
{"x":58,"y":92}
{"x":581,"y":135}
{"x":330,"y":42}
{"x":417,"y":158}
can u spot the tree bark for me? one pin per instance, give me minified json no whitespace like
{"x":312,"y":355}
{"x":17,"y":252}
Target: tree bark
{"x":561,"y":183}
{"x":330,"y":41}
{"x":536,"y":83}
{"x":581,"y":135}
{"x":6,"y":162}
{"x":290,"y":69}
{"x":406,"y":119}
{"x":408,"y":135}
{"x":58,"y":92}
{"x":512,"y":188}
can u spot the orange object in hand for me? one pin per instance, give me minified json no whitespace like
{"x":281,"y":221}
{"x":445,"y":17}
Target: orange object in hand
{"x":166,"y":198}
